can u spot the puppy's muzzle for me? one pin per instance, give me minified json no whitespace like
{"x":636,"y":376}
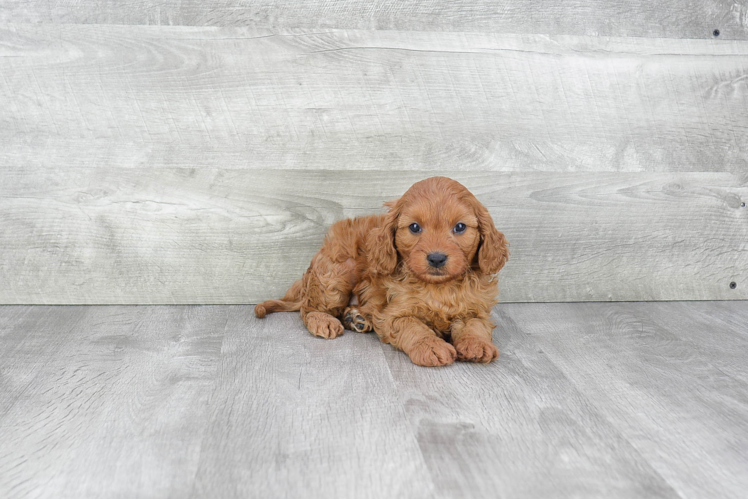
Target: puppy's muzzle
{"x":436,"y":259}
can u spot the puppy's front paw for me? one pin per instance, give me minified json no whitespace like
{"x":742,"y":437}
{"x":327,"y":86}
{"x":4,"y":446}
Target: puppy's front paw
{"x":323,"y":325}
{"x":432,"y":351}
{"x":475,"y":349}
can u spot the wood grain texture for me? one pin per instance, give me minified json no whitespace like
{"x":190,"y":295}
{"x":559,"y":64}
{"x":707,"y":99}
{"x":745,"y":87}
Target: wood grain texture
{"x":649,"y":375}
{"x":237,"y":236}
{"x":716,"y":330}
{"x":586,"y":400}
{"x":104,"y":402}
{"x":640,"y":18}
{"x":25,"y":351}
{"x":517,"y":428}
{"x":157,"y":97}
{"x":297,"y":416}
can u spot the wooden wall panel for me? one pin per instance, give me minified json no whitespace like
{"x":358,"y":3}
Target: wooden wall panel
{"x":639,"y":18}
{"x":163,"y":97}
{"x":78,"y":235}
{"x":203,"y":164}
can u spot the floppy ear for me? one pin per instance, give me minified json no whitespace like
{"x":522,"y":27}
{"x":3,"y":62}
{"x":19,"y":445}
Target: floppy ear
{"x":493,"y":251}
{"x":380,"y":243}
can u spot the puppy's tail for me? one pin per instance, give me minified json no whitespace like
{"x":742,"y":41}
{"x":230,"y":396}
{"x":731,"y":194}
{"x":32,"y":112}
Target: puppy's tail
{"x":290,"y":302}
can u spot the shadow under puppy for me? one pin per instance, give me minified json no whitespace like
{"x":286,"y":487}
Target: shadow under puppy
{"x":420,"y":276}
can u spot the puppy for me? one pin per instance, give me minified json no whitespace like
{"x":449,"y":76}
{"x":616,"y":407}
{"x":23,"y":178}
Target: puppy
{"x":422,"y":276}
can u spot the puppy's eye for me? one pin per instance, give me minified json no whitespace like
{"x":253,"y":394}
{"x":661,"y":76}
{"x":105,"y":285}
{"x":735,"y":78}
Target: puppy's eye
{"x":414,"y":228}
{"x":460,"y":228}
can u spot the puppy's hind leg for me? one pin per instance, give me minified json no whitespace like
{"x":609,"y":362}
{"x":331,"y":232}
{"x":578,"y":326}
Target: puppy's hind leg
{"x":327,"y":289}
{"x":355,"y":321}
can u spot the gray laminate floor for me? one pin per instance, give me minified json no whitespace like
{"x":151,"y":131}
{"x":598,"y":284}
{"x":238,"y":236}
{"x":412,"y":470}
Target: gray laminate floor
{"x":591,"y":399}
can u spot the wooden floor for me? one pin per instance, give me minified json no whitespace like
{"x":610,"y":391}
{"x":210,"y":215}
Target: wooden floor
{"x":586,"y":399}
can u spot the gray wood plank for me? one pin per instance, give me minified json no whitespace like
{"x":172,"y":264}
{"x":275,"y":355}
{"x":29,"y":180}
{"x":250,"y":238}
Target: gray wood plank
{"x":25,"y":351}
{"x":719,"y":331}
{"x":658,"y":382}
{"x":517,"y":428}
{"x":603,"y":400}
{"x":104,"y":402}
{"x":298,"y":416}
{"x":734,"y":318}
{"x":665,"y":18}
{"x":156,"y":97}
{"x":235,"y":236}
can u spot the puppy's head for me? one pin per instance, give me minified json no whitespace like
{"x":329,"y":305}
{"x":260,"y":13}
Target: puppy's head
{"x":440,"y":230}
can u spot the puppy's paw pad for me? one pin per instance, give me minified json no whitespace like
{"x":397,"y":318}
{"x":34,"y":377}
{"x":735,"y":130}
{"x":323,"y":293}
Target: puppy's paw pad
{"x":323,"y":325}
{"x":476,"y":350}
{"x":354,"y":321}
{"x":432,"y":351}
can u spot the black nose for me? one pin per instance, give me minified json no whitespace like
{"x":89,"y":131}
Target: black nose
{"x":436,"y":259}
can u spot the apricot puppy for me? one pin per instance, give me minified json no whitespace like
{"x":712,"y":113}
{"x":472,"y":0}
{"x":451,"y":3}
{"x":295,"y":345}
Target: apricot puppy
{"x":422,"y":276}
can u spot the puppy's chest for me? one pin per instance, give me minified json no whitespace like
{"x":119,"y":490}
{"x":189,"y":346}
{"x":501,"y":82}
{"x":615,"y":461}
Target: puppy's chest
{"x":438,"y":312}
{"x":439,"y":306}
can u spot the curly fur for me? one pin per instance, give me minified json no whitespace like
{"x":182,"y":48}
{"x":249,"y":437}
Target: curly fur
{"x":435,"y":315}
